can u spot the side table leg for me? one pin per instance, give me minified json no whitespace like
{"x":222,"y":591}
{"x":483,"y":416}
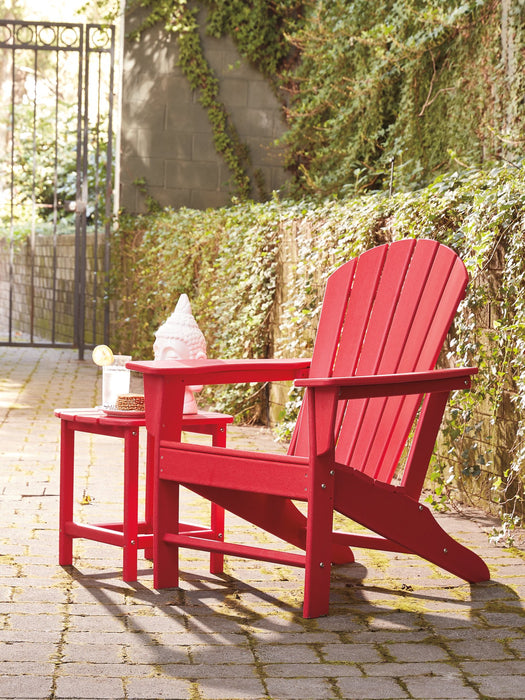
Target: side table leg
{"x":217,"y":512}
{"x":148,"y":551}
{"x":131,"y":507}
{"x":67,"y":477}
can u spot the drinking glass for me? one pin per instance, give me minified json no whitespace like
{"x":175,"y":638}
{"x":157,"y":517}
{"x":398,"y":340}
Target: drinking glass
{"x":115,"y":381}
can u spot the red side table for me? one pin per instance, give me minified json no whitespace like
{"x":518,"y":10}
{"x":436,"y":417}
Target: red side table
{"x":130,"y":534}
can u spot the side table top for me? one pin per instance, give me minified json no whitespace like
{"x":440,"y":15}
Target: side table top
{"x":86,"y":416}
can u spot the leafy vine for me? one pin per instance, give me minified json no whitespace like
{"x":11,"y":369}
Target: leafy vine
{"x":376,"y":95}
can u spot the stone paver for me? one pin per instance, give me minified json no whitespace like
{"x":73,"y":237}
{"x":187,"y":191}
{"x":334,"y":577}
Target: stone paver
{"x":398,"y":627}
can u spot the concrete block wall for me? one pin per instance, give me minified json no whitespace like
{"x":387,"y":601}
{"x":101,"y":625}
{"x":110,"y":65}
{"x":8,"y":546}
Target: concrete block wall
{"x":166,"y":135}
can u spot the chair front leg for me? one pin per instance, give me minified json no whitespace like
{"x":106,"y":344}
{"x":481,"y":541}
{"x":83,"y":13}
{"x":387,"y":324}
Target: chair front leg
{"x":423,"y":442}
{"x":321,"y":417}
{"x":319,"y":539}
{"x":166,"y":520}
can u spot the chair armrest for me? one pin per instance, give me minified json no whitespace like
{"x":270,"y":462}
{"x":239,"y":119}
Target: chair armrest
{"x":437,"y":380}
{"x":326,"y":392}
{"x":224,"y":371}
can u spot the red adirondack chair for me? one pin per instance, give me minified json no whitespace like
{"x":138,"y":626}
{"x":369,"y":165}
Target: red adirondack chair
{"x":371,"y":381}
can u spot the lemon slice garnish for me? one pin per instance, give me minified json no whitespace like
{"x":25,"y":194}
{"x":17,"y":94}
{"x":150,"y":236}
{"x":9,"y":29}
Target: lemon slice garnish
{"x":103,"y":355}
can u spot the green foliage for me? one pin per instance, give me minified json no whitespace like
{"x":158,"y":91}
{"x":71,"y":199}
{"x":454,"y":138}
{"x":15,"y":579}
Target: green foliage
{"x":259,"y":29}
{"x":377,"y":94}
{"x":225,"y":260}
{"x":255,"y":275}
{"x":399,"y":81}
{"x":238,"y":298}
{"x":155,"y":259}
{"x":200,"y":76}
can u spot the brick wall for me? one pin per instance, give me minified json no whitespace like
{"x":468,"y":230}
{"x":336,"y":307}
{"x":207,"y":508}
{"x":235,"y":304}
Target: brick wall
{"x":53,"y":294}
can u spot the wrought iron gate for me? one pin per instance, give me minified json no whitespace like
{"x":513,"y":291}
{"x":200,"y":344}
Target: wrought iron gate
{"x":56,"y":182}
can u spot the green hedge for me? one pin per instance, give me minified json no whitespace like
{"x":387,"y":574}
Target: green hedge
{"x":230,"y":263}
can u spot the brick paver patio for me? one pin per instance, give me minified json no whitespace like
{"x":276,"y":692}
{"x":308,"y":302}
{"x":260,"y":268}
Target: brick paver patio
{"x":398,"y":627}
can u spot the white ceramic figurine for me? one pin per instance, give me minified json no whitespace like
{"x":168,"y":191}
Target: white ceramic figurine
{"x":180,"y":338}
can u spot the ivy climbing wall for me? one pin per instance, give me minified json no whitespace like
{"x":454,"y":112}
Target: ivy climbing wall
{"x":255,"y":274}
{"x":168,"y":154}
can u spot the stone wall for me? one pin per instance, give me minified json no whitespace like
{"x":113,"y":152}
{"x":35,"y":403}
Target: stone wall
{"x":166,"y":135}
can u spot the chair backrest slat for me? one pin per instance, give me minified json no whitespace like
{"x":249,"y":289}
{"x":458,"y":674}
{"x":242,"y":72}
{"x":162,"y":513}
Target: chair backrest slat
{"x":389,"y":310}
